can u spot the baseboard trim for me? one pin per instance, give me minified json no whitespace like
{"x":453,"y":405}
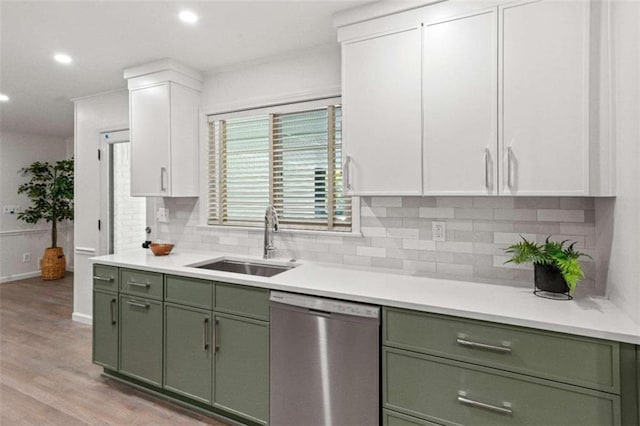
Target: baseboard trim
{"x":82,"y":318}
{"x":17,"y":277}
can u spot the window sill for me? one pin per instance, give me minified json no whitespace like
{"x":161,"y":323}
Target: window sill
{"x":351,"y":234}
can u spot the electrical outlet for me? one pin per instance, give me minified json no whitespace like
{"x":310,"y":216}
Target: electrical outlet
{"x":26,"y":257}
{"x":162,"y":215}
{"x":39,"y":262}
{"x":11,"y":209}
{"x":438,"y":231}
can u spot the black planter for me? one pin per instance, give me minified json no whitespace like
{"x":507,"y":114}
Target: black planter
{"x":549,"y":282}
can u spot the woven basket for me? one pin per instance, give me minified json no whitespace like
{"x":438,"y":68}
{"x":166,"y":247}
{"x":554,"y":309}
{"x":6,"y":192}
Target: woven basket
{"x":54,"y":264}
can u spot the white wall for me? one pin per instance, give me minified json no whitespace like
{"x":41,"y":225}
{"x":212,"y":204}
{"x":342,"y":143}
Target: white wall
{"x":621,"y":217}
{"x":18,"y":150}
{"x":251,"y":84}
{"x":92,"y":116}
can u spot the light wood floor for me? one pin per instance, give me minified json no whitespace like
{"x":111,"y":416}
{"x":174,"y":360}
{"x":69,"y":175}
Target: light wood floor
{"x":46,"y":374}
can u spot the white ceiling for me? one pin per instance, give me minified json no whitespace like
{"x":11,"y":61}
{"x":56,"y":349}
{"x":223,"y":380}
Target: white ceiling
{"x":105,"y":37}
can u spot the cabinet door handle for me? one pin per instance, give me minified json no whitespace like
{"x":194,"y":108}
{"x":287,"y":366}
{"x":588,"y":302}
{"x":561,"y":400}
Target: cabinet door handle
{"x":99,"y":278}
{"x":486,"y":167}
{"x":137,"y":284}
{"x":476,"y":345}
{"x":462,"y":398}
{"x":205,"y":331}
{"x":112,"y":311}
{"x":163,"y":172}
{"x":216,"y":337}
{"x":138,"y":304}
{"x":509,"y":171}
{"x":345,"y":173}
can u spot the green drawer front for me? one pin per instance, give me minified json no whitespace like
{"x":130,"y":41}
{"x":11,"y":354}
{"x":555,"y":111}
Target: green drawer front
{"x":141,"y":283}
{"x":242,"y":300}
{"x":141,"y":339}
{"x":582,"y":361}
{"x":430,"y":387}
{"x":189,"y":291}
{"x":105,"y":277}
{"x":391,"y":418}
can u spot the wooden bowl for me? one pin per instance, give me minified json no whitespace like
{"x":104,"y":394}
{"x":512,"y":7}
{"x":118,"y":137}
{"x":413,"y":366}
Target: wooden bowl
{"x":161,"y":249}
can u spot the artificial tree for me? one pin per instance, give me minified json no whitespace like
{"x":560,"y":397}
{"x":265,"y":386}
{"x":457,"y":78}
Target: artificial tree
{"x":50,"y":188}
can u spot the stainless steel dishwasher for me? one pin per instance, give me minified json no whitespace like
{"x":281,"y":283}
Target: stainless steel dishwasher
{"x":324,"y":362}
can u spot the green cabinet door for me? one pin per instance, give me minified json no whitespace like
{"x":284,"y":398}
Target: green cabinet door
{"x":187,"y":351}
{"x":141,"y":339}
{"x":105,"y":329}
{"x":241,"y":367}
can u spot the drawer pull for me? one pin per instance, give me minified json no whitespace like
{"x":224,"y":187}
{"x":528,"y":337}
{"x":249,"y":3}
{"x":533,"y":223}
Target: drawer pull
{"x":505,"y":409}
{"x":99,"y":278}
{"x":205,"y":333}
{"x":475,"y":345}
{"x":138,"y":304}
{"x":216,"y":338}
{"x":137,"y":284}
{"x":112,"y":311}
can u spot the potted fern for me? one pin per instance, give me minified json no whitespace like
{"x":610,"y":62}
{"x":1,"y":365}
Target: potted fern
{"x":556,"y":266}
{"x":50,"y":188}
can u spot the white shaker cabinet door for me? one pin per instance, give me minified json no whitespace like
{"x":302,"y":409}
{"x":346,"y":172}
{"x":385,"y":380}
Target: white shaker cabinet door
{"x":544,"y":95}
{"x":150,"y":141}
{"x":460,"y":105}
{"x":382,"y":122}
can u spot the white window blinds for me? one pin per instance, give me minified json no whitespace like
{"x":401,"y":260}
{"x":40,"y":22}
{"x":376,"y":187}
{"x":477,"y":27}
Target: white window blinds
{"x":290,"y":160}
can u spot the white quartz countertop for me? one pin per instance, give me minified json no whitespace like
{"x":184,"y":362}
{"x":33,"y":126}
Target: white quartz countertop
{"x":583,"y":316}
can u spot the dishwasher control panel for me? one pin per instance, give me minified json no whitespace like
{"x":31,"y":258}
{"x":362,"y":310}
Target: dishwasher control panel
{"x":326,"y":305}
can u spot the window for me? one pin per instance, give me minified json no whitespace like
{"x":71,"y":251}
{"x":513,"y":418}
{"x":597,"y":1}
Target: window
{"x":289,"y":157}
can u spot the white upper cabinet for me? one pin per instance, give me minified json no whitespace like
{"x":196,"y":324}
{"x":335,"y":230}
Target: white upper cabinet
{"x":460,"y":105}
{"x":544,"y":93}
{"x":163,"y":108}
{"x":382,"y":113}
{"x":514,"y":99}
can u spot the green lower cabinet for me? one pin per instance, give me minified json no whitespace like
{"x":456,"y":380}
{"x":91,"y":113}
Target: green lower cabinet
{"x":105,"y":329}
{"x":391,"y":418}
{"x":451,"y":392}
{"x":187,"y":351}
{"x":241,"y":367}
{"x":141,"y":339}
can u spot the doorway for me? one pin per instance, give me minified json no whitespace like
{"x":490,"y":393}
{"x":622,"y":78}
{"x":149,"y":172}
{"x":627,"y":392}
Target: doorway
{"x":125,"y":216}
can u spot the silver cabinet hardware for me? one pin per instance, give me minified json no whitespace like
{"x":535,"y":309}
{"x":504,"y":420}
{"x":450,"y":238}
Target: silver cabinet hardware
{"x":163,"y":172}
{"x":216,"y":334}
{"x":112,"y":311}
{"x":205,"y":331}
{"x":137,"y":284}
{"x":509,"y":171}
{"x":462,"y":398}
{"x":486,"y":167}
{"x":99,"y":278}
{"x":346,"y":173}
{"x":461,"y":340}
{"x":138,"y":304}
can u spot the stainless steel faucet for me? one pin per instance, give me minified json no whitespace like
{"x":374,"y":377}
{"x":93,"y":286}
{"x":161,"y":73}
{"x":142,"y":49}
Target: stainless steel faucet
{"x":271,"y":225}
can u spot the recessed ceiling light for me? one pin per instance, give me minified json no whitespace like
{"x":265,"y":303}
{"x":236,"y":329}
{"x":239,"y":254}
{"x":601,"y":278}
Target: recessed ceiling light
{"x":62,"y":58}
{"x":188,"y":16}
{"x":4,"y":98}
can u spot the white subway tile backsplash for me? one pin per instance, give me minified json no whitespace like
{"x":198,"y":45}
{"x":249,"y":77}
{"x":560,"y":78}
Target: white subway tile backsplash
{"x":403,"y":233}
{"x":557,"y":215}
{"x":386,"y":201}
{"x":511,"y":237}
{"x":455,"y":246}
{"x":418,"y":244}
{"x":436,"y":212}
{"x":397,"y":235}
{"x":371,"y":251}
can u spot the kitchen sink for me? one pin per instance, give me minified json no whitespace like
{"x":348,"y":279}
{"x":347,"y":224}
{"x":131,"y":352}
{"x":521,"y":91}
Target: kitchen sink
{"x":245,"y":267}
